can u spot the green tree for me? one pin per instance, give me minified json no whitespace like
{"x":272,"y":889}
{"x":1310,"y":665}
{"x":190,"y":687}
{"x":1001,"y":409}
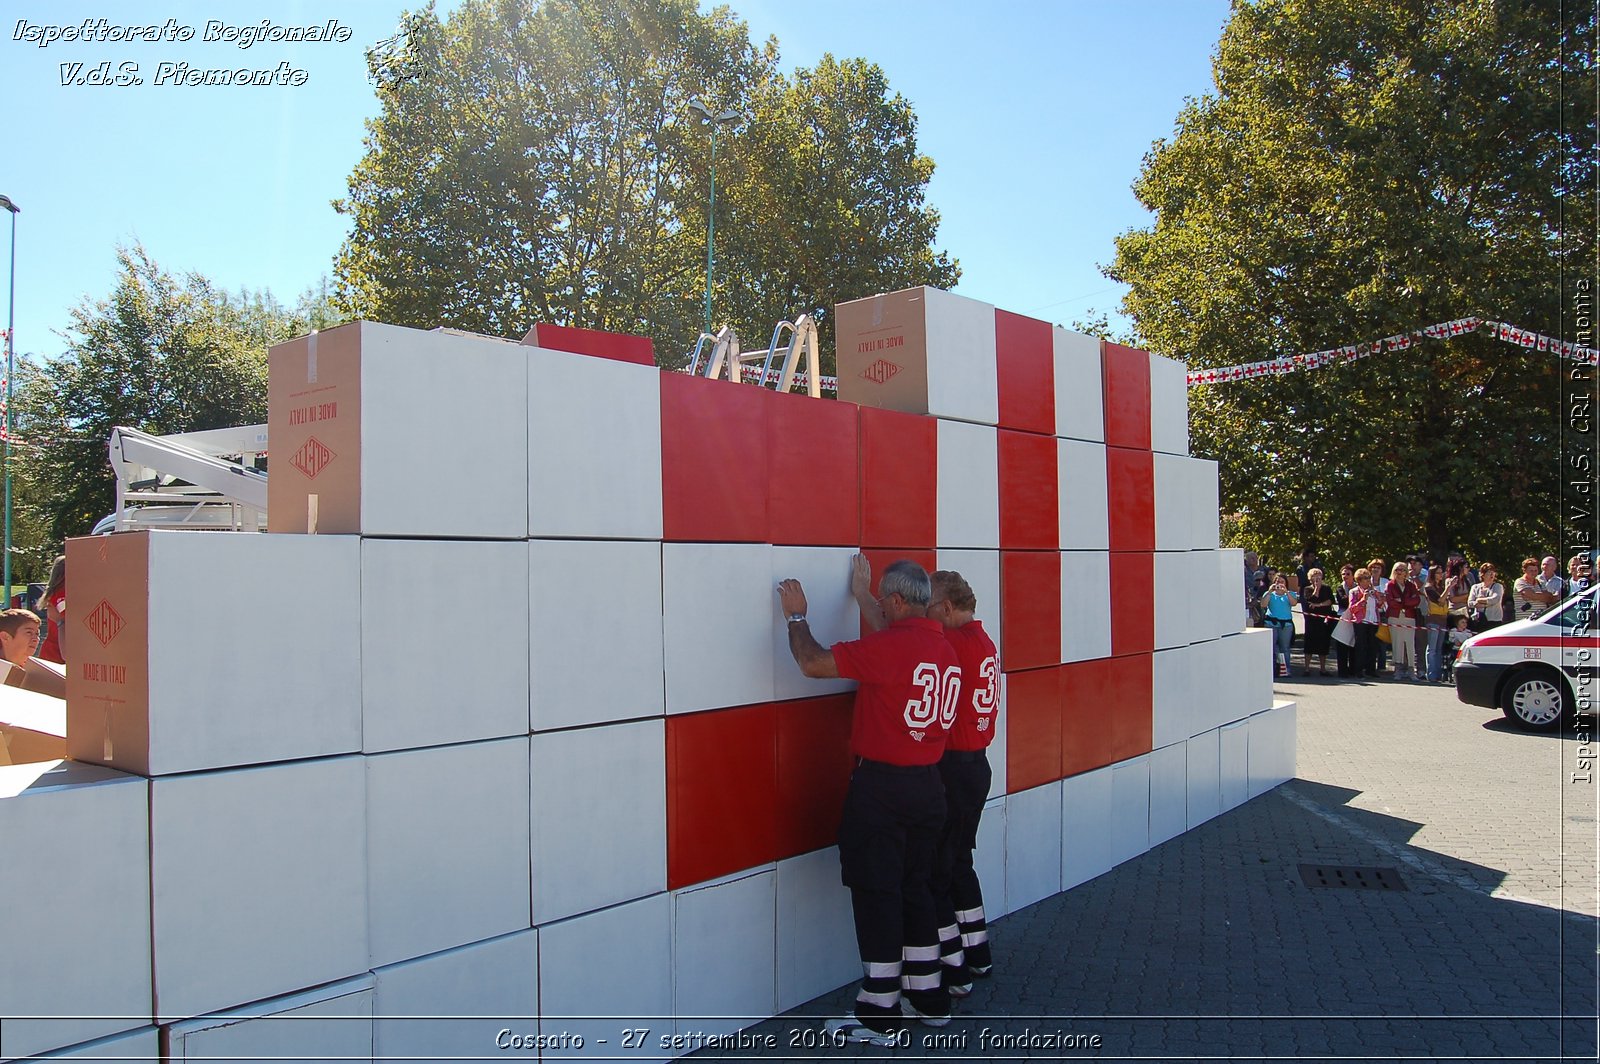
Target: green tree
{"x":1367,"y":167}
{"x":540,"y":164}
{"x":826,"y":202}
{"x":162,"y":354}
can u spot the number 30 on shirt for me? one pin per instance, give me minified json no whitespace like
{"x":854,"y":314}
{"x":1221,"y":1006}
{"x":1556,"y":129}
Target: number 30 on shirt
{"x":937,"y":700}
{"x":984,"y":691}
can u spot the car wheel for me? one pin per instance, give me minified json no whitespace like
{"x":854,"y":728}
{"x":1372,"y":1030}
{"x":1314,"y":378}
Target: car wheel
{"x":1534,"y":701}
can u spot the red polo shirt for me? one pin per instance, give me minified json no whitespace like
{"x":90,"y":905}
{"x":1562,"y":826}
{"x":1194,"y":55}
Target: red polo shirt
{"x":978,"y":707}
{"x":909,"y":680}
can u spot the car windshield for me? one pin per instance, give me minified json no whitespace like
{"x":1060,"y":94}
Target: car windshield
{"x":1577,"y":613}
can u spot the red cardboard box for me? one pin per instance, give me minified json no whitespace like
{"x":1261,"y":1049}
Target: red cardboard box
{"x":622,"y":347}
{"x":713,"y":460}
{"x":1025,"y":361}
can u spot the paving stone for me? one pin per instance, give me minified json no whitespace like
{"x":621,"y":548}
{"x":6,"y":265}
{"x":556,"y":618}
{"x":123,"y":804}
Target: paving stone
{"x":1209,"y":946}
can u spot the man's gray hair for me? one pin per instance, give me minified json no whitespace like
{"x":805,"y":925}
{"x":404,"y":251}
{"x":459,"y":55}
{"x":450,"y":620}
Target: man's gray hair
{"x":908,"y":580}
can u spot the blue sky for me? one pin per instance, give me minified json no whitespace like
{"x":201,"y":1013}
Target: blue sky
{"x":1036,"y":114}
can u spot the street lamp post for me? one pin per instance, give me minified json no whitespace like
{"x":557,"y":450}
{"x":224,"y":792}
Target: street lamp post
{"x":11,"y":371}
{"x":725,"y":118}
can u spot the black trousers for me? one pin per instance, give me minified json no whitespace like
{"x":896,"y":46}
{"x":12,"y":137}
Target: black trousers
{"x":1365,"y":655}
{"x":963,"y":931}
{"x":888,"y":837}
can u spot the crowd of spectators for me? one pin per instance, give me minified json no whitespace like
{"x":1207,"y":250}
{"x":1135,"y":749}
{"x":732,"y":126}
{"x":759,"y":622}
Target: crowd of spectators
{"x":1412,"y":616}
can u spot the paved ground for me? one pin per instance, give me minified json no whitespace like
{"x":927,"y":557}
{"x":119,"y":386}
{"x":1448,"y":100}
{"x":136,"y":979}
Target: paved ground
{"x":1212,"y":947}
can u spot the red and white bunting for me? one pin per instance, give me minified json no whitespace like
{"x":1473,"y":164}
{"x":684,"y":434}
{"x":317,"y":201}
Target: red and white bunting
{"x":1499,"y":330}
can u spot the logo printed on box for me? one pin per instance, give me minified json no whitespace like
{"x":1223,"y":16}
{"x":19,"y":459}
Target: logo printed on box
{"x":880,"y":371}
{"x":312,"y":457}
{"x":104,"y":622}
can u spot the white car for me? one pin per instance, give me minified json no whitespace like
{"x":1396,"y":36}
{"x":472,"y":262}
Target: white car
{"x":1539,"y":672}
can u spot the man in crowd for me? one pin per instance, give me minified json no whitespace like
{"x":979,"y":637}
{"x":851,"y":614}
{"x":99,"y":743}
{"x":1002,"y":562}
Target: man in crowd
{"x":1551,"y":580}
{"x":1577,"y":573}
{"x":909,"y":678}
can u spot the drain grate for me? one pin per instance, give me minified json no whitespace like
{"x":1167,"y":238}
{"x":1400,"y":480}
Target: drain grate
{"x":1351,"y":876}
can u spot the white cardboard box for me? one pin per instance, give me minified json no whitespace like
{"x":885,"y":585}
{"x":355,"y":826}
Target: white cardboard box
{"x":1081,"y":468}
{"x":1175,"y":504}
{"x":599,"y":817}
{"x":1272,"y":747}
{"x":1130,"y":808}
{"x":1234,"y":775}
{"x":1172,"y":696}
{"x":447,"y":847}
{"x":1033,"y":845}
{"x":1169,"y":405}
{"x":427,"y":682}
{"x":1174,"y":594}
{"x":1206,"y":528}
{"x":1085,"y":605}
{"x":76,"y":880}
{"x":1230,"y":591}
{"x":1169,"y":792}
{"x":1256,"y":666}
{"x":721,"y":608}
{"x":1080,"y":396}
{"x":594,"y":660}
{"x":415,"y":1003}
{"x":724,"y":954}
{"x":1207,"y":675}
{"x":594,"y":447}
{"x":329,"y":1023}
{"x":831,"y":614}
{"x":816,"y":935}
{"x":1205,"y":776}
{"x":389,"y":431}
{"x":963,"y":373}
{"x":212,"y":651}
{"x":989,"y":860}
{"x":1085,"y":826}
{"x":605,"y":971}
{"x":1202,"y":621}
{"x":259,"y":882}
{"x":968,"y":493}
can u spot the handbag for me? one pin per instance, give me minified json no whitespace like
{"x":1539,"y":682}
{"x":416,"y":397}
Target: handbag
{"x":1345,"y":632}
{"x":1383,"y":633}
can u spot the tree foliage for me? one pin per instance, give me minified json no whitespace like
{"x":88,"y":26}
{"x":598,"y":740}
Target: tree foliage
{"x":539,"y":163}
{"x":162,"y":354}
{"x":1364,"y":168}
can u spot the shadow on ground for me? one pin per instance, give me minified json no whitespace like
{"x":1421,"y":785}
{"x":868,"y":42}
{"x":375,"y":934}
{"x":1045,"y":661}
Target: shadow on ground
{"x":1211,"y":945}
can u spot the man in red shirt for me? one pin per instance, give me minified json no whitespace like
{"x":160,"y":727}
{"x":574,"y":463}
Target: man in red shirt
{"x":965,"y":770}
{"x":909,"y":679}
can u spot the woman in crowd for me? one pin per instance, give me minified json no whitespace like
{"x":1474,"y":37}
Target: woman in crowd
{"x":1436,"y":606}
{"x":1402,"y":602}
{"x":1485,"y":600}
{"x":1341,"y":602}
{"x":54,"y":604}
{"x":1316,"y":600}
{"x":1278,"y":606}
{"x":1366,"y":613}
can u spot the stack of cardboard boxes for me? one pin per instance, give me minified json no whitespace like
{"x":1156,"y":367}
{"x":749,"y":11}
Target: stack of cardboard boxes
{"x":500,"y":720}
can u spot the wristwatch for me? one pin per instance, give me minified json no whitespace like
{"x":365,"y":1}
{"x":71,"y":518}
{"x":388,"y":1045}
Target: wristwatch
{"x":793,"y":617}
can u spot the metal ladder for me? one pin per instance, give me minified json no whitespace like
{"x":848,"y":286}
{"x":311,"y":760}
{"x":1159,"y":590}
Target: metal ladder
{"x":726,"y":355}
